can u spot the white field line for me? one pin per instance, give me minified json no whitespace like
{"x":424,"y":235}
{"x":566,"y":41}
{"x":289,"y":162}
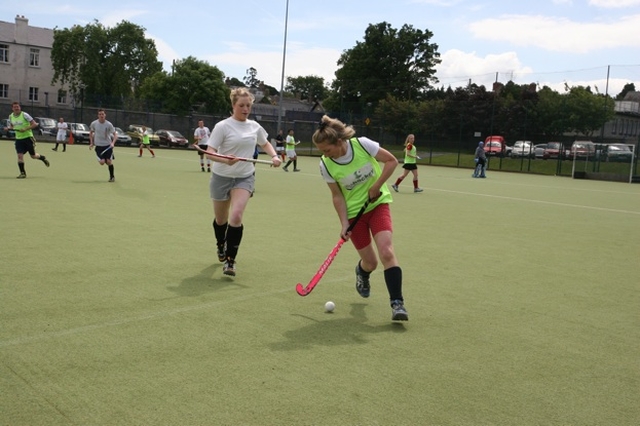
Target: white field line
{"x":552,"y":203}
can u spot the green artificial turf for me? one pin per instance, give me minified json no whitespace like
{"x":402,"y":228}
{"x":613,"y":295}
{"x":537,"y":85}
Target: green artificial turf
{"x":522,"y":292}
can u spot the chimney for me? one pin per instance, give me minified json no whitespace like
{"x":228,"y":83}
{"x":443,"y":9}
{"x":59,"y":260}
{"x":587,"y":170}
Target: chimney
{"x":22,"y":30}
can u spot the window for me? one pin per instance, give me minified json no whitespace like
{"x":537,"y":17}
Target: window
{"x":34,"y":57}
{"x":4,"y":91}
{"x":33,"y":94}
{"x":62,"y":96}
{"x":4,"y":53}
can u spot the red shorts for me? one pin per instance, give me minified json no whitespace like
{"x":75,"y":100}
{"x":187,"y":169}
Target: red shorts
{"x":378,"y":219}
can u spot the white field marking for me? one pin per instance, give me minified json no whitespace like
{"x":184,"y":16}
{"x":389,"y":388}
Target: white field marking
{"x":563,"y":188}
{"x":552,"y":203}
{"x":146,"y":317}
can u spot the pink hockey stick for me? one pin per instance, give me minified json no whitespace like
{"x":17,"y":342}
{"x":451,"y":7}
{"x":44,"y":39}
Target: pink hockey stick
{"x":302,"y":290}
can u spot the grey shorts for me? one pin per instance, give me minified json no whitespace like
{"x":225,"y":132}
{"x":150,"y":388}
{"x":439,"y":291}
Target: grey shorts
{"x":220,"y":187}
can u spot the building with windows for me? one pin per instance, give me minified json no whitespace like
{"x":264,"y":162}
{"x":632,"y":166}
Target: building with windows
{"x":25,"y":66}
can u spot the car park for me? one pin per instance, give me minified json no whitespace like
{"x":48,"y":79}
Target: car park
{"x":135,"y":132}
{"x":522,"y":149}
{"x":538,"y":150}
{"x":8,"y":133}
{"x":171,"y":138}
{"x":123,"y":138}
{"x":582,"y":149}
{"x":80,"y":132}
{"x":45,"y":125}
{"x":616,"y":152}
{"x":555,"y":150}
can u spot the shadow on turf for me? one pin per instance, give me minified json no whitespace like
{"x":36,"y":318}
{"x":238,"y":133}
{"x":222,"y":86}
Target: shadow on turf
{"x":333,"y":332}
{"x":204,"y":282}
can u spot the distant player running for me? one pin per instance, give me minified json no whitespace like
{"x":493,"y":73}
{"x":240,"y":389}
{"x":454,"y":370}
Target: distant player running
{"x":145,"y":142}
{"x":103,"y":136}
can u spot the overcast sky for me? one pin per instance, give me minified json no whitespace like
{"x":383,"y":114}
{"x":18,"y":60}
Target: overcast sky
{"x":549,"y":42}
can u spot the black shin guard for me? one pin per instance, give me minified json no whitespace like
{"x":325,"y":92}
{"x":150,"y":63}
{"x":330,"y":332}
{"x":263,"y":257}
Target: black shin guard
{"x":234,"y":236}
{"x":393,"y":279}
{"x":220,"y":232}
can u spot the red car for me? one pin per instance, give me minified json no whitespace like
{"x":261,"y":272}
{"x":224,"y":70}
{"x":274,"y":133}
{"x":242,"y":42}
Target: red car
{"x":555,"y":150}
{"x":495,"y":145}
{"x":171,"y":138}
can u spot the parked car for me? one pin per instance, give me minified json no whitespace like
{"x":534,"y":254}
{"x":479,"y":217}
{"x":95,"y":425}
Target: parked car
{"x":80,"y":132}
{"x":135,"y":132}
{"x":555,"y":150}
{"x":9,"y":133}
{"x":45,"y":125}
{"x":494,"y":148}
{"x":538,"y":150}
{"x":522,"y":149}
{"x":171,"y":138}
{"x":582,"y":149}
{"x":123,"y":138}
{"x":495,"y":145}
{"x":616,"y":152}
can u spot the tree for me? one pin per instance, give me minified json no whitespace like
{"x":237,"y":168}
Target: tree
{"x":251,"y":79}
{"x":109,"y":63}
{"x":552,"y":113}
{"x":194,"y":85}
{"x":310,"y":87}
{"x":629,"y":87}
{"x":400,"y":63}
{"x":233,"y":82}
{"x":588,"y":112}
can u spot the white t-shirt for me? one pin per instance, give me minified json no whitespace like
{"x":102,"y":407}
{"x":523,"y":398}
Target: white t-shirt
{"x":62,"y":129}
{"x":238,"y":138}
{"x":202,"y":134}
{"x":369,"y":145}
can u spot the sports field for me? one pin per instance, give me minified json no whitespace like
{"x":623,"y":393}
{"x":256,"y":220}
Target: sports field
{"x":522,"y":291}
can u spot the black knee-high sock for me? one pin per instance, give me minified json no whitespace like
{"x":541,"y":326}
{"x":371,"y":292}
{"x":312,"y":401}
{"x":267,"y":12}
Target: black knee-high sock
{"x":295,"y":164}
{"x":111,"y":170}
{"x":220,"y":232}
{"x":21,"y":167}
{"x":234,"y":236}
{"x":393,"y":279}
{"x":287,"y":165}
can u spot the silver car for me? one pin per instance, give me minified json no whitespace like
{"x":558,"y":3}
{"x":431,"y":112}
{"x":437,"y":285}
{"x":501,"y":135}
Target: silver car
{"x":123,"y":138}
{"x":538,"y":150}
{"x":522,"y":149}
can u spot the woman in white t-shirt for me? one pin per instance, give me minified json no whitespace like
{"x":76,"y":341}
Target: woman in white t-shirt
{"x":233,"y":181}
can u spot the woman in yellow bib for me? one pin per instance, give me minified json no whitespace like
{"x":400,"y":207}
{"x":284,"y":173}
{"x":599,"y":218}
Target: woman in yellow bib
{"x":410,"y":157}
{"x":351,"y":168}
{"x":145,"y":142}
